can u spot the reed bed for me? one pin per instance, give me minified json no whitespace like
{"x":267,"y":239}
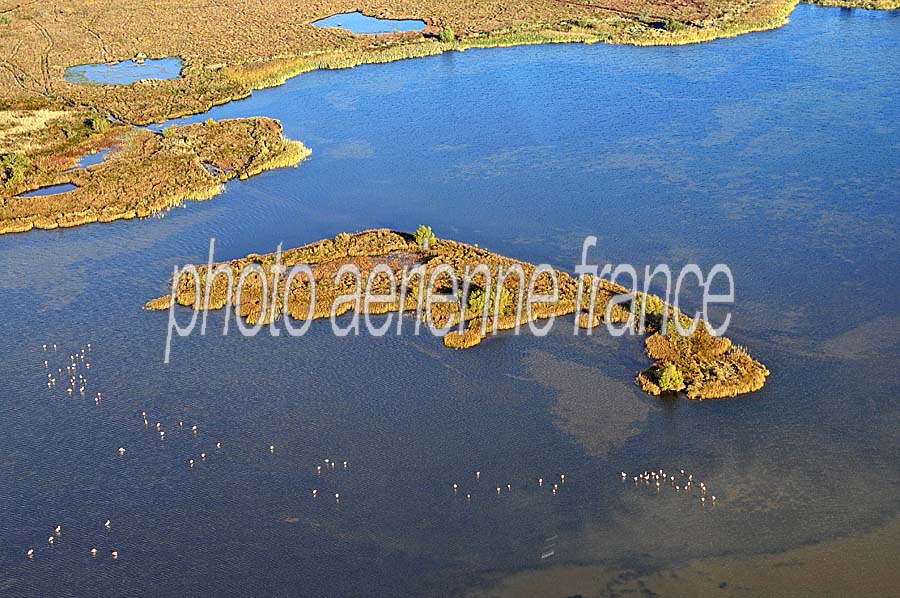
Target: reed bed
{"x":153,"y":173}
{"x":230,"y":59}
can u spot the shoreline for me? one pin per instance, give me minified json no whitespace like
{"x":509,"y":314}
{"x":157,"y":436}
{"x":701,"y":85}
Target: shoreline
{"x":241,"y":80}
{"x":273,"y":72}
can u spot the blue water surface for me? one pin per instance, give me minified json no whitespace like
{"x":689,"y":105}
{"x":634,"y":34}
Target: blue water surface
{"x":125,"y":72}
{"x":774,"y":153}
{"x":50,"y":190}
{"x":361,"y":24}
{"x":94,"y":159}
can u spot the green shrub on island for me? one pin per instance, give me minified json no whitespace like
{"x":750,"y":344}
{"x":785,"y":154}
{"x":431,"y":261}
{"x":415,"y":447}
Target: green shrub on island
{"x":424,"y":236}
{"x":674,"y":26}
{"x":13,"y":168}
{"x":447,"y":36}
{"x":650,"y":309}
{"x":669,"y":378}
{"x":97,"y":124}
{"x":475,"y":302}
{"x":342,"y":240}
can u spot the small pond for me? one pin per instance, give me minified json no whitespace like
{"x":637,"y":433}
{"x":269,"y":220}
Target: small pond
{"x":360,"y":24}
{"x":93,"y":159}
{"x":50,"y":190}
{"x":124,"y":73}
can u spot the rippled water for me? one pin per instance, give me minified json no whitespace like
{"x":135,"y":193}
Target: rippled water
{"x":361,"y":24}
{"x":775,"y":153}
{"x":125,"y":72}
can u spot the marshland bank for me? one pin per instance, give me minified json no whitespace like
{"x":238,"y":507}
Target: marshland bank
{"x":143,"y":173}
{"x":234,"y":58}
{"x":471,"y":307}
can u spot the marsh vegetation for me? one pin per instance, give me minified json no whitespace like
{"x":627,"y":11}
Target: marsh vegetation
{"x":491,"y":300}
{"x":150,"y":174}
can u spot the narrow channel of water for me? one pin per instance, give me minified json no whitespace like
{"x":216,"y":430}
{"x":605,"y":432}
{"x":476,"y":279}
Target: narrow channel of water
{"x":50,"y":190}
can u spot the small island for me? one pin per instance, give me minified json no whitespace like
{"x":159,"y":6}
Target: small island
{"x":143,"y":173}
{"x":701,"y":366}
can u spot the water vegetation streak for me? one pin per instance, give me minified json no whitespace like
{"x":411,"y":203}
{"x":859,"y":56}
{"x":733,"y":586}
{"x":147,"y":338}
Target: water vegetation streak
{"x":700,"y":365}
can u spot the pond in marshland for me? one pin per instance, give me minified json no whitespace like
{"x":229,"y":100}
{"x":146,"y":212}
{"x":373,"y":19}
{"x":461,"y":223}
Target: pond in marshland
{"x":360,"y":24}
{"x":94,"y":159}
{"x":775,"y":153}
{"x":125,"y":72}
{"x":50,"y":190}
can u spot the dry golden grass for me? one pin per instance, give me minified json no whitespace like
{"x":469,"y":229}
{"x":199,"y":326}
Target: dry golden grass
{"x":710,"y":366}
{"x":18,"y":127}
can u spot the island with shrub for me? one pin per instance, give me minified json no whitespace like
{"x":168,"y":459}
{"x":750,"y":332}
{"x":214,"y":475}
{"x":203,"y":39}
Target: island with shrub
{"x":700,"y":365}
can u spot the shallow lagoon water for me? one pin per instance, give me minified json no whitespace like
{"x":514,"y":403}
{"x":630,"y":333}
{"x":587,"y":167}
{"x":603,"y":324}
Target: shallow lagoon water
{"x":361,"y":24}
{"x":774,"y":153}
{"x":125,"y":72}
